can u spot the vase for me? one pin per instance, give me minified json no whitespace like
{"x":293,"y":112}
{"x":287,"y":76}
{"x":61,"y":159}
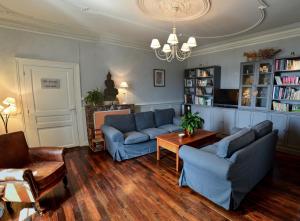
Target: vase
{"x":189,"y":133}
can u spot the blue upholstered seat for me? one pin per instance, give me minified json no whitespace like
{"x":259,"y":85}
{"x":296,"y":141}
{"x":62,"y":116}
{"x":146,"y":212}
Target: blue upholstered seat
{"x":170,"y":128}
{"x":154,"y":132}
{"x":134,"y":137}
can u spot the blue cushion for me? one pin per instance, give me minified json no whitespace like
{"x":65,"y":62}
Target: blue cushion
{"x":164,"y":116}
{"x":124,"y":123}
{"x":153,"y":132}
{"x":210,"y":148}
{"x":135,"y":137}
{"x":228,"y":145}
{"x":171,"y":128}
{"x":263,"y":128}
{"x":144,"y":120}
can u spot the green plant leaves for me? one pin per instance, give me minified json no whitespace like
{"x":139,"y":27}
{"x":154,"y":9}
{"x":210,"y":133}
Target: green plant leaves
{"x":94,"y":97}
{"x":191,"y":122}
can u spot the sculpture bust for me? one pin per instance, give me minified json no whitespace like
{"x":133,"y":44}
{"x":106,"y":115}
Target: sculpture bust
{"x":110,"y":92}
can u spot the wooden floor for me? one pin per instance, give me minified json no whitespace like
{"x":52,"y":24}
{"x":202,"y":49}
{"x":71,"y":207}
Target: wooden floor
{"x":142,"y":189}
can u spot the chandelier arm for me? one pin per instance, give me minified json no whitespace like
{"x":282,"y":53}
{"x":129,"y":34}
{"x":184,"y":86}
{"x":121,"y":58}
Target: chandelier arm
{"x":180,"y":56}
{"x":159,"y":56}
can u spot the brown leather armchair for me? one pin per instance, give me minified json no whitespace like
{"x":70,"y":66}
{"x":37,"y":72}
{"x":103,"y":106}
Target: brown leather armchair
{"x":28,"y":173}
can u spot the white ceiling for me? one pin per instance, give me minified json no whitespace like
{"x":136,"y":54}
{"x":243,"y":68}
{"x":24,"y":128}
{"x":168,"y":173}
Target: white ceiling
{"x":124,"y":20}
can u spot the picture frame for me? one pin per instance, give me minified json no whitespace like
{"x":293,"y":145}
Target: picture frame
{"x":159,"y":77}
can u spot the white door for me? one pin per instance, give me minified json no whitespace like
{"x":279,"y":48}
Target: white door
{"x":49,"y":104}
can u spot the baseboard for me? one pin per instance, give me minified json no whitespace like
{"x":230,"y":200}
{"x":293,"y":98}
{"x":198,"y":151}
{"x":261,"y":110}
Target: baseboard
{"x":289,"y":150}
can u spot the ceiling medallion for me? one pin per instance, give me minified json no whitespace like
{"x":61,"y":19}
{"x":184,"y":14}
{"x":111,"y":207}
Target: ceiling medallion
{"x":164,"y":9}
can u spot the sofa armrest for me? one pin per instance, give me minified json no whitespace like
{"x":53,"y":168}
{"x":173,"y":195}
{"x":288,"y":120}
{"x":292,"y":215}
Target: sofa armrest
{"x":177,"y":120}
{"x":205,"y":161}
{"x":47,"y":154}
{"x":112,"y":133}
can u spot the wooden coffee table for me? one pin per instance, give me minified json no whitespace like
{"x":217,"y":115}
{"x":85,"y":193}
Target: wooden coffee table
{"x":173,"y":143}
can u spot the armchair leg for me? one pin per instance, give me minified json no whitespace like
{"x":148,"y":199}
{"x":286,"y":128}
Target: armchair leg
{"x":9,"y":208}
{"x":38,"y":208}
{"x":65,"y":181}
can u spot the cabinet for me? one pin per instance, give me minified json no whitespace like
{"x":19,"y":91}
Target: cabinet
{"x":280,"y":123}
{"x":293,"y":133}
{"x":199,"y":85}
{"x":243,"y":118}
{"x":205,"y":113}
{"x":256,"y":85}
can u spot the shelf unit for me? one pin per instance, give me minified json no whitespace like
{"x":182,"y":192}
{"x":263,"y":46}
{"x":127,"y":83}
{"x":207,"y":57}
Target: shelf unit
{"x":286,"y":90}
{"x":199,"y":85}
{"x":256,"y":84}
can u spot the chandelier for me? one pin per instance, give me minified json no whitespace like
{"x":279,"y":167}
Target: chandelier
{"x":171,"y":49}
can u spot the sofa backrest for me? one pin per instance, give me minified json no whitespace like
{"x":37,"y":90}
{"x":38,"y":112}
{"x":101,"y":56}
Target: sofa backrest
{"x":228,"y":145}
{"x":124,"y":123}
{"x":13,"y":150}
{"x":164,"y":116}
{"x":144,"y":120}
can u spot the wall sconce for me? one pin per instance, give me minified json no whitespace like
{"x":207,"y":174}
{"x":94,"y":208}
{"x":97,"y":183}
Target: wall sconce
{"x":5,"y":112}
{"x":124,"y":86}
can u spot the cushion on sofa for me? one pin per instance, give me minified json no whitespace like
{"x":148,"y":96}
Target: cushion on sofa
{"x":210,"y":148}
{"x":153,"y":132}
{"x":144,"y":120}
{"x":124,"y":123}
{"x":170,"y":127}
{"x":262,"y":129}
{"x":228,"y":145}
{"x":164,"y":116}
{"x":134,"y":137}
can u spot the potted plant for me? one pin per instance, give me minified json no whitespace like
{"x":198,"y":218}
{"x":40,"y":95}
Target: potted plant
{"x":191,"y":122}
{"x":94,"y":97}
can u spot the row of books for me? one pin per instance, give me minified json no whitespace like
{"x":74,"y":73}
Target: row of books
{"x":286,"y":93}
{"x":286,"y":80}
{"x":203,"y":101}
{"x":287,"y":64}
{"x":280,"y":107}
{"x":189,"y":99}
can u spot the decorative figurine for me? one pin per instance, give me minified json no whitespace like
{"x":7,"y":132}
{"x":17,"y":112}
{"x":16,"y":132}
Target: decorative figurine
{"x":110,"y":92}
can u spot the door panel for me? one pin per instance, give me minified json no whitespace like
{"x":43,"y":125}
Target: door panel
{"x":258,"y":117}
{"x":51,"y":111}
{"x":243,"y":119}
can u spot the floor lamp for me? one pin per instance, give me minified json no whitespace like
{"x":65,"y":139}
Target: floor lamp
{"x":5,"y":112}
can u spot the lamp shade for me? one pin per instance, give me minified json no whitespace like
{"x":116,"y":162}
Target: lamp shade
{"x":9,"y":101}
{"x":166,"y":48}
{"x":124,"y":84}
{"x":185,"y":47}
{"x":155,"y":44}
{"x":173,"y":40}
{"x":192,"y":42}
{"x":10,"y":109}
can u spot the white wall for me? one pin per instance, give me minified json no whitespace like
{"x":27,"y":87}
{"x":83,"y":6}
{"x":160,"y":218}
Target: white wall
{"x":95,"y":59}
{"x":229,"y":60}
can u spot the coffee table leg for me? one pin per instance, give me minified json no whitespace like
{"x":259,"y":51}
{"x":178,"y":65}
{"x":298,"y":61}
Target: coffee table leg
{"x":177,"y":161}
{"x":157,"y":151}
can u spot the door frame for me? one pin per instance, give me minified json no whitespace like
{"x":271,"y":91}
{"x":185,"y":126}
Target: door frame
{"x":21,"y":62}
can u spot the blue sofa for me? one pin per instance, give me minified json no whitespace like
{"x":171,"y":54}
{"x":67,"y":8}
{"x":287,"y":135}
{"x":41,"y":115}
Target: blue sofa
{"x":226,"y":171}
{"x":133,"y":135}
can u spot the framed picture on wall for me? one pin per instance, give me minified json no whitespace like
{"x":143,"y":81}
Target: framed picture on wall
{"x":159,"y":77}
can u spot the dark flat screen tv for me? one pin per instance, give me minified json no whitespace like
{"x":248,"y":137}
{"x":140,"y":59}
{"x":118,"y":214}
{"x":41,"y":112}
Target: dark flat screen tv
{"x":226,"y":97}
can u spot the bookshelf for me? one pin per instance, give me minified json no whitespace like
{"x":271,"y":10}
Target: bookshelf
{"x":286,"y":90}
{"x":199,"y":85}
{"x":256,"y":84}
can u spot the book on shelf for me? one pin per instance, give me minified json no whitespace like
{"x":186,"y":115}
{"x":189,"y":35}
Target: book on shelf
{"x":203,"y":101}
{"x":280,"y":107}
{"x":278,"y":80}
{"x":287,"y":64}
{"x":188,"y":98}
{"x":280,"y":93}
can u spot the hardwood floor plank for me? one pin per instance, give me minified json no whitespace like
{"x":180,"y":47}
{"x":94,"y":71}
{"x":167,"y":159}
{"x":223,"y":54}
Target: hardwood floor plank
{"x":144,"y":189}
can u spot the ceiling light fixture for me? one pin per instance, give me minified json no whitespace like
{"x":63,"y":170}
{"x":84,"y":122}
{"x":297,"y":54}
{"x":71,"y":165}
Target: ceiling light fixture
{"x":171,"y":49}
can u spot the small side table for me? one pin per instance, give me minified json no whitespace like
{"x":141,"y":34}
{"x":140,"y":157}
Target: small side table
{"x":97,"y":142}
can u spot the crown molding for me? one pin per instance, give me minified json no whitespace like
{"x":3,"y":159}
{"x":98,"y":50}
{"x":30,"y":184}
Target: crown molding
{"x":260,"y":38}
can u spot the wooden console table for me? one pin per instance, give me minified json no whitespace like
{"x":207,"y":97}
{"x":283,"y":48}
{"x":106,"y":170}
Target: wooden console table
{"x":95,"y":137}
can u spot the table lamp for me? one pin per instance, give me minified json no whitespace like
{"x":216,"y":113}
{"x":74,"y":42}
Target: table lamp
{"x":5,"y":112}
{"x":124,"y":86}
